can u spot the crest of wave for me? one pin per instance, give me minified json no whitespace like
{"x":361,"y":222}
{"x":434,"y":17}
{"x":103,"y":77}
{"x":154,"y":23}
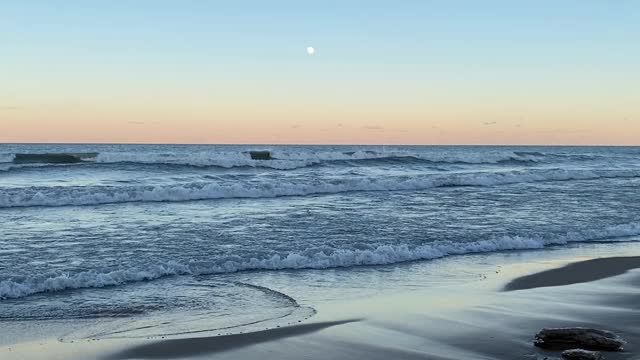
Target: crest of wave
{"x":201,"y":159}
{"x":313,"y":258}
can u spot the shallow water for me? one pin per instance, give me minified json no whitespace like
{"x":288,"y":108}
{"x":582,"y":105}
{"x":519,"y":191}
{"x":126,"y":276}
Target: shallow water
{"x":142,"y":231}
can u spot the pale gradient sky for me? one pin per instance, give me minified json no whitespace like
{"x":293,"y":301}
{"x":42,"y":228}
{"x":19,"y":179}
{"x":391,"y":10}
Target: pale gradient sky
{"x":384,"y":72}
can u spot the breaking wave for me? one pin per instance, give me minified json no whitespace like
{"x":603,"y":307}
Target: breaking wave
{"x":270,"y":187}
{"x":315,"y":258}
{"x":280,"y":160}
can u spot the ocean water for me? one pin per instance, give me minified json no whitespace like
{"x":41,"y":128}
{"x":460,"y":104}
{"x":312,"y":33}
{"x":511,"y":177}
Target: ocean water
{"x":190,"y":238}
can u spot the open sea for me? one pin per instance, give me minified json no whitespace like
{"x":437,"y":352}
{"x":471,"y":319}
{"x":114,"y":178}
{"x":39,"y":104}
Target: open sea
{"x":161,"y":240}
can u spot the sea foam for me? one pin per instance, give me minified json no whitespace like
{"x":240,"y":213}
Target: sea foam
{"x":290,"y":160}
{"x":309,"y":259}
{"x":277,"y":187}
{"x":280,"y":160}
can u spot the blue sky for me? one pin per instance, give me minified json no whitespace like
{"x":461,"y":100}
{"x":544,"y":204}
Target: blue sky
{"x":547,"y":60}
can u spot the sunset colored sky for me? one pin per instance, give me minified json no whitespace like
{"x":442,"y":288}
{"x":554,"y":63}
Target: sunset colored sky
{"x":384,"y":72}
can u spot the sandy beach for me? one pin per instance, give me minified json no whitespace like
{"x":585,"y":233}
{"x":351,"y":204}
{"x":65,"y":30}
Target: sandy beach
{"x":493,"y":317}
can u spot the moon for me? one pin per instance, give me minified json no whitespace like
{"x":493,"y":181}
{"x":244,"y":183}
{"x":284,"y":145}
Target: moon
{"x":311,"y":50}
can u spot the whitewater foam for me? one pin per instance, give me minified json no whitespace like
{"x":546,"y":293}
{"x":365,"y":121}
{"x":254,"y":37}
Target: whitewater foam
{"x":281,"y":160}
{"x":317,"y":258}
{"x":291,"y":160}
{"x":202,"y":159}
{"x":6,"y":157}
{"x":269,"y":188}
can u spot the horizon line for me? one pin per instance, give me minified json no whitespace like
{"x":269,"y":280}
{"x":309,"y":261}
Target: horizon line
{"x":312,"y":144}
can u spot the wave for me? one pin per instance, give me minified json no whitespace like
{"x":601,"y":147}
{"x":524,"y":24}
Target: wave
{"x":30,"y":160}
{"x":270,"y":188}
{"x":12,"y":166}
{"x":6,"y":157}
{"x":203,"y":159}
{"x":291,"y":160}
{"x":434,"y":157}
{"x":52,"y":158}
{"x":314,"y":258}
{"x":529,"y":153}
{"x":280,"y":160}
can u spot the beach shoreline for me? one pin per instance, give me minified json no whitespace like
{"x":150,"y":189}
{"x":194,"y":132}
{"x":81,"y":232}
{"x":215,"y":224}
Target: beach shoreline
{"x":474,"y":320}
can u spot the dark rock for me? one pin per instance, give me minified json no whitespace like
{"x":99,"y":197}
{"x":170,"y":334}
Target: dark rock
{"x":579,"y":354}
{"x":591,"y":339}
{"x":260,"y":155}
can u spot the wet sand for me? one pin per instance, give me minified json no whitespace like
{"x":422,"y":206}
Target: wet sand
{"x":579,"y":272}
{"x":479,"y":320}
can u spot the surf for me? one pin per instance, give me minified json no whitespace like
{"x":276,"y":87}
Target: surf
{"x":269,"y":159}
{"x":221,"y":188}
{"x":311,"y":258}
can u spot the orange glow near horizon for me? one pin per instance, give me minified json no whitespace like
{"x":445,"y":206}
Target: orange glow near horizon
{"x":408,"y":109}
{"x":267,"y":125}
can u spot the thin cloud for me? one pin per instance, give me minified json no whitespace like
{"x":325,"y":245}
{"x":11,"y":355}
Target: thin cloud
{"x":9,"y":107}
{"x":398,"y":130}
{"x":562,"y":131}
{"x":373,"y":127}
{"x":438,"y":128}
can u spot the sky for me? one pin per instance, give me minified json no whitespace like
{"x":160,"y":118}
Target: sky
{"x":384,"y":72}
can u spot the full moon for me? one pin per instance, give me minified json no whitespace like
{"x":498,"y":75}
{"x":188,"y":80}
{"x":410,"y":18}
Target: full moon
{"x":311,"y":50}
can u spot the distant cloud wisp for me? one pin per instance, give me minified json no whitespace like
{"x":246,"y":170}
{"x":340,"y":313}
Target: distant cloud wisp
{"x":373,"y":127}
{"x":9,"y":107}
